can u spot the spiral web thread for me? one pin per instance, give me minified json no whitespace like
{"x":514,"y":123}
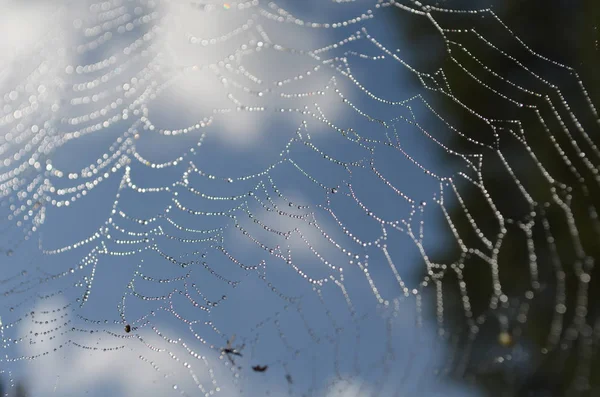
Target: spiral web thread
{"x":135,"y":237}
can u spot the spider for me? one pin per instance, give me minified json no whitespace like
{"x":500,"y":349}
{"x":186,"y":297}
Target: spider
{"x":259,"y":368}
{"x":128,"y":328}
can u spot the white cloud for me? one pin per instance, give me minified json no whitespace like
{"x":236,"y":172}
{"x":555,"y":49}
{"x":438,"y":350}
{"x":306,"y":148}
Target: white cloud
{"x":226,"y":60}
{"x":76,"y":371}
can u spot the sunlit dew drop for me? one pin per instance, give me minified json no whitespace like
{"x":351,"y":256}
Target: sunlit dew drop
{"x":334,"y":190}
{"x":505,"y":339}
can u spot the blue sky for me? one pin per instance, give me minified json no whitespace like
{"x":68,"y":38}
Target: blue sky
{"x":192,"y":146}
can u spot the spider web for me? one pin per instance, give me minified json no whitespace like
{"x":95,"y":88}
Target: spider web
{"x":259,"y":198}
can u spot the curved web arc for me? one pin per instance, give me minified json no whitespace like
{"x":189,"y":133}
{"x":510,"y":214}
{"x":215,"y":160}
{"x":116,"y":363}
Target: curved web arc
{"x":285,"y":222}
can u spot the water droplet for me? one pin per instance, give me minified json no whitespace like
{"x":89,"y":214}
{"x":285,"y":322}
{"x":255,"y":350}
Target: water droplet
{"x":505,"y":339}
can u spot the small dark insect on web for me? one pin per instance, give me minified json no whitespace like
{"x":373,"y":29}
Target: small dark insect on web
{"x":260,"y":368}
{"x":230,"y":351}
{"x":128,"y":328}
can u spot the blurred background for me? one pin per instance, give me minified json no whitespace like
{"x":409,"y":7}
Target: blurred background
{"x":326,"y":198}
